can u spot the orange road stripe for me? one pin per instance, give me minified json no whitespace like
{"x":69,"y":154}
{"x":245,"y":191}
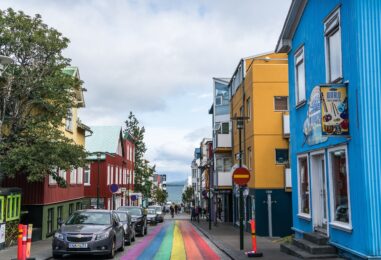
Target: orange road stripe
{"x":191,"y":248}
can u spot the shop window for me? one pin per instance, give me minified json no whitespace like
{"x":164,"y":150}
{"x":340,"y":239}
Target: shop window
{"x":300,"y":77}
{"x":303,"y":185}
{"x":281,"y":156}
{"x":332,"y":34}
{"x":13,"y":207}
{"x":50,"y":220}
{"x":59,"y":214}
{"x":71,"y":209}
{"x":340,"y":207}
{"x":281,"y":103}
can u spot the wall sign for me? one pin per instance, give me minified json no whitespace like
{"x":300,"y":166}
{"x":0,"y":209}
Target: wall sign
{"x":334,"y":107}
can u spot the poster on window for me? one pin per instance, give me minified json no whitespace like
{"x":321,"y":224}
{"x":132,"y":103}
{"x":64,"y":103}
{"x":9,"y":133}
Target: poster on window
{"x":334,"y":110}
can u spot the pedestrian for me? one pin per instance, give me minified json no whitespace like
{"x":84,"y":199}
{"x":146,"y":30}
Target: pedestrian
{"x":176,"y":209}
{"x":171,"y":208}
{"x":193,"y":214}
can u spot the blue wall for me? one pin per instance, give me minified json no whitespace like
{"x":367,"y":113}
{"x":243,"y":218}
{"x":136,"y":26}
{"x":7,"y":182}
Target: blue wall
{"x":361,"y":60}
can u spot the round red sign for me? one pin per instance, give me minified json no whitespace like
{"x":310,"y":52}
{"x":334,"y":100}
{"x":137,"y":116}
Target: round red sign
{"x":241,"y":176}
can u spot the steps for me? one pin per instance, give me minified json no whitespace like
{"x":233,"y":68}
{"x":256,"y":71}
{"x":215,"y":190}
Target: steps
{"x":311,"y":246}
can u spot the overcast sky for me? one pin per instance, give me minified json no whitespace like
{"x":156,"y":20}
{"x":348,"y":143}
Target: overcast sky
{"x":157,"y":59}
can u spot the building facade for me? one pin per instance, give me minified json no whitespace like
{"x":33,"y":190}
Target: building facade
{"x":111,"y":162}
{"x":334,"y":70}
{"x":259,"y":92}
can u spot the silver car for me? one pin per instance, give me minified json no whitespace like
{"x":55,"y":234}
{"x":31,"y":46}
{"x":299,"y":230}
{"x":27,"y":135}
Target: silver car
{"x":159,"y":212}
{"x":95,"y":232}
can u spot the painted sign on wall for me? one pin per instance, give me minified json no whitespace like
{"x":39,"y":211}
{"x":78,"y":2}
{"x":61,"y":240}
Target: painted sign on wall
{"x":334,"y":110}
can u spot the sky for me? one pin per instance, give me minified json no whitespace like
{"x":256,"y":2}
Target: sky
{"x":158,"y":59}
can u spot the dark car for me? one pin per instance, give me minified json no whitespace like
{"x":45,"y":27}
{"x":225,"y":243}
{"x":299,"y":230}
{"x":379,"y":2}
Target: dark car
{"x":159,"y":212}
{"x":152,"y":216}
{"x":95,"y":232}
{"x":138,"y":217}
{"x":128,"y":225}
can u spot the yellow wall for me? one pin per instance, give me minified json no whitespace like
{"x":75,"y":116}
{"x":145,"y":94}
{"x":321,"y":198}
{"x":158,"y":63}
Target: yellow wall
{"x":78,"y":135}
{"x":263,"y":132}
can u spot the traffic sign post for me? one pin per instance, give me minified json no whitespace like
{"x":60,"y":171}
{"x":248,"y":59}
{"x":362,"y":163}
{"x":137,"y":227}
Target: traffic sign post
{"x":241,"y":176}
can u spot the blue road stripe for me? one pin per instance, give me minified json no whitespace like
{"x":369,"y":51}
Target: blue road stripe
{"x":150,"y":252}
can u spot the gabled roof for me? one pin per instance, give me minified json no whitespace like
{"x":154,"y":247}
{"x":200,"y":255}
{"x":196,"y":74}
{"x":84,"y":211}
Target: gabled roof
{"x":104,"y":139}
{"x":74,"y":72}
{"x":292,"y":20}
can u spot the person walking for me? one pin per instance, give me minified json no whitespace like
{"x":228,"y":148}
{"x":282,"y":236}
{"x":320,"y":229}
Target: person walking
{"x":172,"y":211}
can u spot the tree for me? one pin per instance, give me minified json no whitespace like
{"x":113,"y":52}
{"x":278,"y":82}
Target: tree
{"x":187,"y":196}
{"x":34,"y":97}
{"x":159,"y":195}
{"x":142,"y":172}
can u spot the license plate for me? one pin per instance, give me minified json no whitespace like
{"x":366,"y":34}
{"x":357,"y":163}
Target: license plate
{"x":77,"y":245}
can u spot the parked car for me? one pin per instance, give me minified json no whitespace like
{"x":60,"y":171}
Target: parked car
{"x":152,"y":216}
{"x":128,"y":225}
{"x":138,"y":217}
{"x":95,"y":232}
{"x":159,"y":212}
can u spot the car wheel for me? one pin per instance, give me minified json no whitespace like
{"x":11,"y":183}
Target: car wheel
{"x":112,"y":252}
{"x":57,"y":256}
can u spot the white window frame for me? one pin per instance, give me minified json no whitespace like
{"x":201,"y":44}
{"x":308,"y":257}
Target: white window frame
{"x":300,"y":213}
{"x":332,"y":25}
{"x":108,"y":174}
{"x":299,"y":60}
{"x":120,"y":175}
{"x":87,"y":182}
{"x":52,"y":181}
{"x":79,"y":175}
{"x":73,"y":177}
{"x":333,"y":222}
{"x":116,"y":175}
{"x":63,"y":174}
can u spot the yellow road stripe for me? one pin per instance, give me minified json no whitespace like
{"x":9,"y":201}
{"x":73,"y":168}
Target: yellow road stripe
{"x":178,"y":250}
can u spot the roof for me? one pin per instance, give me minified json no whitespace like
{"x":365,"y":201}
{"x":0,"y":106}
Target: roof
{"x":74,"y":72}
{"x":292,"y":20}
{"x":71,"y":71}
{"x":104,"y":139}
{"x":223,"y":80}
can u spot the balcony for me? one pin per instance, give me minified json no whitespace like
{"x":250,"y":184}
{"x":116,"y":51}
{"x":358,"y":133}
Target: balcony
{"x":287,"y":179}
{"x":223,"y":143}
{"x":286,"y":125}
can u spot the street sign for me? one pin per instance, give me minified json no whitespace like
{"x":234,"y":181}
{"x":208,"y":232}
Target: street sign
{"x":114,"y":188}
{"x":241,"y":176}
{"x":134,"y":197}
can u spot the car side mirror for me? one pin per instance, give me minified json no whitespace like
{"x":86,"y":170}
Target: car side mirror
{"x":60,"y":222}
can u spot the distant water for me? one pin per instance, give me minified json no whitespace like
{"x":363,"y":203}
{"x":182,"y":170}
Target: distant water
{"x":174,"y":193}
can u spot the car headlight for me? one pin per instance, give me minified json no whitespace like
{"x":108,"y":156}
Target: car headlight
{"x":133,"y":219}
{"x":101,"y":236}
{"x":59,"y":236}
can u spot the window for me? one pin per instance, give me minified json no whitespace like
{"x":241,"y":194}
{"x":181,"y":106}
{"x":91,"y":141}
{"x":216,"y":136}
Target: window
{"x":78,"y":206}
{"x":59,"y":215}
{"x":332,"y":34}
{"x":108,"y":174}
{"x":63,"y":174}
{"x":71,"y":208}
{"x":300,"y":77}
{"x":116,"y":175}
{"x":249,"y":154}
{"x":281,"y":103}
{"x":218,"y":100}
{"x":79,"y":175}
{"x":303,"y":186}
{"x":73,"y":179}
{"x":13,"y":207}
{"x":224,"y":164}
{"x":50,"y":220}
{"x":69,"y":120}
{"x":120,"y":176}
{"x":1,"y":209}
{"x":340,"y":207}
{"x":222,"y":128}
{"x":86,"y":175}
{"x":281,"y":156}
{"x":248,"y":107}
{"x":52,"y":181}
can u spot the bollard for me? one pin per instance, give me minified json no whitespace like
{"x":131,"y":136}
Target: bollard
{"x":19,"y":242}
{"x":24,"y":235}
{"x":29,"y":240}
{"x":254,"y":252}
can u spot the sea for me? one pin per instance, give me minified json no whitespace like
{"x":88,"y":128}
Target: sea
{"x":175,"y":193}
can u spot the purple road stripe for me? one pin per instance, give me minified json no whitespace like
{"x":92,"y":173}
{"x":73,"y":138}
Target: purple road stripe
{"x":138,"y":249}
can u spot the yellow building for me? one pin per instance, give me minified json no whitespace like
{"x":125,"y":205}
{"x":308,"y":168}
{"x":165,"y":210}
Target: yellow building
{"x":259,"y":89}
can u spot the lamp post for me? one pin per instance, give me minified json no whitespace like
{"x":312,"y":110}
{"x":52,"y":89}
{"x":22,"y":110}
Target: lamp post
{"x":240,"y":126}
{"x":98,"y":159}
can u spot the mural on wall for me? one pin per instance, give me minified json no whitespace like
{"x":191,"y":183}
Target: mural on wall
{"x":334,"y":107}
{"x":312,"y":124}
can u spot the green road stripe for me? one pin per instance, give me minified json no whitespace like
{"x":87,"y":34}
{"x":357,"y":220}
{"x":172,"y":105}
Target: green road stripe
{"x":165,"y":249}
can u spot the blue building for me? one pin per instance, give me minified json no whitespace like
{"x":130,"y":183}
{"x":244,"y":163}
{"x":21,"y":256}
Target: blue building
{"x":334,"y":53}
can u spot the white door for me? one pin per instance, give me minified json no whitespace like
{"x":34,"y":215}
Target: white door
{"x":319,"y":191}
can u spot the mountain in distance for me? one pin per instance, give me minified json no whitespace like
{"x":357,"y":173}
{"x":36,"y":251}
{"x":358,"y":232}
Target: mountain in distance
{"x":176,"y":183}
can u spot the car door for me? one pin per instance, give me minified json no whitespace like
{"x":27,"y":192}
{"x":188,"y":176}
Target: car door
{"x":118,"y":228}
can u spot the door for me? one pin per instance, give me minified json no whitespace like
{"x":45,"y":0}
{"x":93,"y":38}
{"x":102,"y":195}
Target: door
{"x":319,"y":189}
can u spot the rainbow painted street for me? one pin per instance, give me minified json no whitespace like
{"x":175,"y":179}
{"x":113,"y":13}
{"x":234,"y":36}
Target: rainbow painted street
{"x":172,"y":240}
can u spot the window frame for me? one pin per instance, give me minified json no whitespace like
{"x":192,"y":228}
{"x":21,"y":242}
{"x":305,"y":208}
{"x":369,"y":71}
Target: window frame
{"x":50,"y":222}
{"x":59,"y":214}
{"x":73,"y":176}
{"x":337,"y":224}
{"x":87,"y":172}
{"x":248,"y":108}
{"x":299,"y":59}
{"x":11,"y":201}
{"x":300,"y":212}
{"x":79,"y":175}
{"x":71,"y":209}
{"x":288,"y":156}
{"x":69,"y":120}
{"x":332,"y":25}
{"x":281,"y":110}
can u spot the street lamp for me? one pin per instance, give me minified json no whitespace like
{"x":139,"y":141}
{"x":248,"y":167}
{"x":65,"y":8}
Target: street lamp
{"x":240,"y":125}
{"x":98,"y":159}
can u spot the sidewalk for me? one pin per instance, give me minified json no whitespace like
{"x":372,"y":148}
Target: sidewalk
{"x":226,"y":238}
{"x":40,"y":250}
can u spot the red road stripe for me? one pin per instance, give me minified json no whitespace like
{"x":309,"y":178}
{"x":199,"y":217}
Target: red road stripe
{"x":202,"y":246}
{"x":191,"y":249}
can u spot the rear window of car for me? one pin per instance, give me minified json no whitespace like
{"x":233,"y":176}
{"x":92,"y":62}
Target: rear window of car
{"x":89,"y":218}
{"x":151,"y":211}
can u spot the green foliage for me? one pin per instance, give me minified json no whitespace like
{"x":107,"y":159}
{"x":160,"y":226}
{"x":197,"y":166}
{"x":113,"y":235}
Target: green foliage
{"x":187,"y":195}
{"x":34,"y":98}
{"x":159,"y":195}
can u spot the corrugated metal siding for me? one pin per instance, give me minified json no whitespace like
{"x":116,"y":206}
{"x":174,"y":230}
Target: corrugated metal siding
{"x":369,"y":60}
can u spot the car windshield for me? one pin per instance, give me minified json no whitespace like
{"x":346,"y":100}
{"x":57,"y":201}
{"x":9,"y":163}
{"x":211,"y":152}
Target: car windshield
{"x":151,"y":211}
{"x":134,"y":211}
{"x":89,"y":218}
{"x":122,"y":216}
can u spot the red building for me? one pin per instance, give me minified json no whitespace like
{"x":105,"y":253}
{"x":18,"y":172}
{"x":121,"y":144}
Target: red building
{"x":111,"y":163}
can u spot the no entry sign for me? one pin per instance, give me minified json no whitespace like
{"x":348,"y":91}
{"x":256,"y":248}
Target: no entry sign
{"x":241,"y":176}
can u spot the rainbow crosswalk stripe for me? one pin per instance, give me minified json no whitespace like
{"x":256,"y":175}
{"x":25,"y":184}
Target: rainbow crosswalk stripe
{"x":175,"y":240}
